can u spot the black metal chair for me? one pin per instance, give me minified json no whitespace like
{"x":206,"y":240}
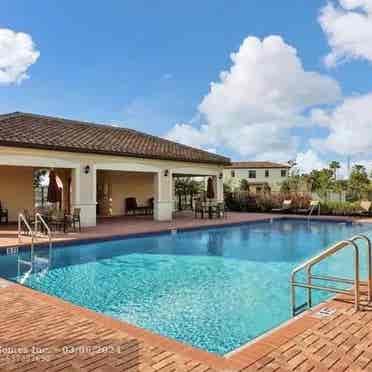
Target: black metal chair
{"x":221,"y":210}
{"x":200,"y":209}
{"x":76,"y":218}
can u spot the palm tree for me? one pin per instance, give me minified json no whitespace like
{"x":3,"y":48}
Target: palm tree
{"x":333,"y":166}
{"x":186,"y":186}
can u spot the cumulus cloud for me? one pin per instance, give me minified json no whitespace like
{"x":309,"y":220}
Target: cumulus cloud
{"x":17,"y":54}
{"x":348,"y":26}
{"x":349,"y":126}
{"x":253,"y":106}
{"x":308,"y":160}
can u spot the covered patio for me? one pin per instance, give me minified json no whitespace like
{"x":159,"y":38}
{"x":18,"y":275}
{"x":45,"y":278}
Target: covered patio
{"x":99,"y":168}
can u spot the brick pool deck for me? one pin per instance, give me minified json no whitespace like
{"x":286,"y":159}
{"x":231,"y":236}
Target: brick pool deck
{"x":43,"y":333}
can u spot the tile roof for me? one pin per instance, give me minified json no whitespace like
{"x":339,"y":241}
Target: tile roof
{"x":256,"y":165}
{"x":44,"y":132}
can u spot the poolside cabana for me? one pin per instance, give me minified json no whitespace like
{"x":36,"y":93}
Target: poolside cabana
{"x":99,"y":166}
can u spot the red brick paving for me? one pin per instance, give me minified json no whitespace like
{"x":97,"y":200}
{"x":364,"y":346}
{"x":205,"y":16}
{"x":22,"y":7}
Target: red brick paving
{"x":43,"y":333}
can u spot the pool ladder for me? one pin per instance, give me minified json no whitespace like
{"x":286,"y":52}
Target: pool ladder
{"x":34,"y":260}
{"x":355,"y":283}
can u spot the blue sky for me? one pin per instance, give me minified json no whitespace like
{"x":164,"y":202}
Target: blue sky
{"x":149,"y":65}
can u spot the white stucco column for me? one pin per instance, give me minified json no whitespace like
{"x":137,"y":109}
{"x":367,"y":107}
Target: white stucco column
{"x":84,"y":190}
{"x":163,"y":191}
{"x":219,"y":189}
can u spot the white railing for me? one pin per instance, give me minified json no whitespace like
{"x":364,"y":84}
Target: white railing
{"x":355,"y":283}
{"x":33,"y":233}
{"x":22,"y":219}
{"x":39,"y":217}
{"x":313,"y":206}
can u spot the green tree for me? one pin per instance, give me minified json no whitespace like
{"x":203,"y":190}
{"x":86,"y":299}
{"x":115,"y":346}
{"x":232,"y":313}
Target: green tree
{"x":334,"y":166}
{"x":322,"y":181}
{"x":244,"y":185}
{"x":186,"y":186}
{"x":359,"y":182}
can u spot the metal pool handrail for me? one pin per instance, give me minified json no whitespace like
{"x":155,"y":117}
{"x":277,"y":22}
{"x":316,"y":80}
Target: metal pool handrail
{"x":38,"y":217}
{"x":22,"y":218}
{"x":308,"y":265}
{"x":369,"y":261}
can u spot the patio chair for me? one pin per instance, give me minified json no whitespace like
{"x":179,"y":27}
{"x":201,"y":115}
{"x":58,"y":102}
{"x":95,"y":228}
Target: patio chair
{"x":57,"y":221}
{"x":150,"y":203}
{"x":286,"y":207}
{"x":131,"y":207}
{"x":76,"y":218}
{"x":314,"y":204}
{"x":365,"y":208}
{"x":221,"y":210}
{"x":200,"y":209}
{"x":4,"y":214}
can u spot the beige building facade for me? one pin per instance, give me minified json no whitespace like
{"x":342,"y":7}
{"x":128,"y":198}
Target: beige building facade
{"x":261,"y":176}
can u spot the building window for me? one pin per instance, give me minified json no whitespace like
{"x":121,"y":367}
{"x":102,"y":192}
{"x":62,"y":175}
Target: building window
{"x":283,"y":173}
{"x":232,"y":173}
{"x":267,"y":173}
{"x":252,"y":174}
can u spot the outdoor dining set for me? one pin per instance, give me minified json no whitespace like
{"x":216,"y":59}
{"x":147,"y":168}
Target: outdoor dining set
{"x":210,"y":209}
{"x":56,"y":220}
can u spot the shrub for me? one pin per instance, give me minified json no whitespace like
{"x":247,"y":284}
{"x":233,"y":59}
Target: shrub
{"x":339,"y":208}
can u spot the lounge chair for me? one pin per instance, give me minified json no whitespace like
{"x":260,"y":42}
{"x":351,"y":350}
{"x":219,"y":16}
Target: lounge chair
{"x":314,"y":204}
{"x":132,"y":208}
{"x":286,"y":207}
{"x":4,"y":214}
{"x":365,"y":208}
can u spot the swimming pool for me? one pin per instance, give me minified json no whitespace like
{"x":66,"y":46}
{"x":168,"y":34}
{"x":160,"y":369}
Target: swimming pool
{"x":214,"y":288}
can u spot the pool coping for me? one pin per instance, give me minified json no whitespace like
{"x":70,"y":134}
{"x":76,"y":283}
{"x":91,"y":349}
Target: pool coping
{"x":246,"y":354}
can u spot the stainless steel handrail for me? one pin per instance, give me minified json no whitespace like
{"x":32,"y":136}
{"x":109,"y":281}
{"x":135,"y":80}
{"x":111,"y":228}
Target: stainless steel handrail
{"x":312,"y":210}
{"x":308,"y":265}
{"x":22,"y":218}
{"x":39,"y":217}
{"x":369,"y":261}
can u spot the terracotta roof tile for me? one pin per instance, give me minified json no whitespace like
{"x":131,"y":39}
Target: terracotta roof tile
{"x":36,"y":131}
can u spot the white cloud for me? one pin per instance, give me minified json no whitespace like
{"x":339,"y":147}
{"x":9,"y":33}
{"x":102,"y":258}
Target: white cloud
{"x":17,"y":54}
{"x":189,"y":135}
{"x":254,"y":105}
{"x":349,"y":126}
{"x":309,"y":160}
{"x":348,"y":26}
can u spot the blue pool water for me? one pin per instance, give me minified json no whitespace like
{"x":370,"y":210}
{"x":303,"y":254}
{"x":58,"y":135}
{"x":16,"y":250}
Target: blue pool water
{"x":215,"y":288}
